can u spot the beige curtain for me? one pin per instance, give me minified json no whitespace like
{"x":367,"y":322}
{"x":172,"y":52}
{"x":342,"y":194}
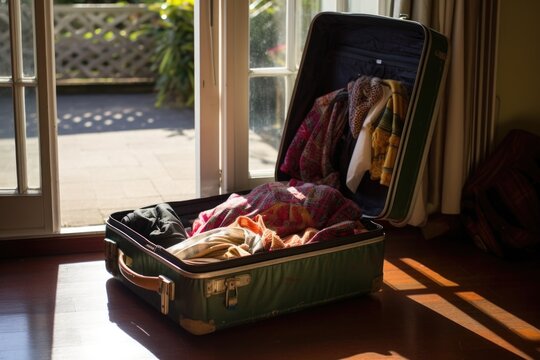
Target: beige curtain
{"x":465,"y":125}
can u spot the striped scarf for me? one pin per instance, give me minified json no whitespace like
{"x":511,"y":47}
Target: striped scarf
{"x":386,"y":134}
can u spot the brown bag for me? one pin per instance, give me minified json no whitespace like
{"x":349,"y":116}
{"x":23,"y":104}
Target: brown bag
{"x":501,"y":200}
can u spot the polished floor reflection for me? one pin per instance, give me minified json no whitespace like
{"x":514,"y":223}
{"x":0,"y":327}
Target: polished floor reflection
{"x":442,"y":299}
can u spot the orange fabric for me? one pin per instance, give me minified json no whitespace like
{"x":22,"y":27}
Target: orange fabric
{"x":270,"y":240}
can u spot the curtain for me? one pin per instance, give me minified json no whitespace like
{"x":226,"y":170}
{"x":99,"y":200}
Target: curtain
{"x":465,"y":125}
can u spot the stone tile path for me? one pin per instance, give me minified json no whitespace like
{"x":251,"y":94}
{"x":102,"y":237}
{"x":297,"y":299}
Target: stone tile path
{"x":116,"y":152}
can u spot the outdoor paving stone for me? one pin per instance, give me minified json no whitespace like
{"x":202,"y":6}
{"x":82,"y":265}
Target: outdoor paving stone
{"x":173,"y":189}
{"x":82,"y":217}
{"x":77,"y":191}
{"x":110,"y":191}
{"x":77,"y":204}
{"x":154,"y":172}
{"x":74,"y":176}
{"x":108,"y":142}
{"x":116,"y":173}
{"x":130,"y":188}
{"x":129,"y":165}
{"x":178,"y":172}
{"x":106,"y":208}
{"x":95,"y":159}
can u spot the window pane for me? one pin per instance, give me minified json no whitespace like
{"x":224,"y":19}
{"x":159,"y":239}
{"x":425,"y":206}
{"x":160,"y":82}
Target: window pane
{"x":364,"y":6}
{"x":267,"y":33}
{"x":32,"y":140}
{"x":304,"y":15}
{"x":27,"y":31}
{"x":266,"y":115}
{"x":8,"y":169}
{"x":5,"y":49}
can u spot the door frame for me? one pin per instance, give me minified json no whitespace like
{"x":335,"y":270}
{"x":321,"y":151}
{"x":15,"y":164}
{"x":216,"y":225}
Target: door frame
{"x":33,"y":212}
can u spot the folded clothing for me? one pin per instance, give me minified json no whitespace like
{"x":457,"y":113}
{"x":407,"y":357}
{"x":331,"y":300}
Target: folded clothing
{"x":286,"y":208}
{"x":247,"y":236}
{"x":159,"y":224}
{"x":271,"y":217}
{"x":216,"y":245}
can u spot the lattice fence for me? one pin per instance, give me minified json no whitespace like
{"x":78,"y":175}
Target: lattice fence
{"x":103,"y":43}
{"x":94,"y":43}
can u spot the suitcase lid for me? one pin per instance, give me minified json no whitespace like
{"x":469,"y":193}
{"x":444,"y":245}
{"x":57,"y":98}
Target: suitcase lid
{"x":339,"y":48}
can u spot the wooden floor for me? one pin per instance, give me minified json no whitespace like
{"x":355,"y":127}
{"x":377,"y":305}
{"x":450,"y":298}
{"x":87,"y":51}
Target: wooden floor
{"x":442,"y":299}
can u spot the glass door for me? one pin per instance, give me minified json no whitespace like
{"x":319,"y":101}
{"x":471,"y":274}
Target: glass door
{"x":28,"y":169}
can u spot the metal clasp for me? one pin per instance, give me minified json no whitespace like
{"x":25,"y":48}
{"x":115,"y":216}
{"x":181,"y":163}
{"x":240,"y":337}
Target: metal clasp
{"x":229,"y":286}
{"x":166,"y":290}
{"x":111,"y":256}
{"x":231,"y":294}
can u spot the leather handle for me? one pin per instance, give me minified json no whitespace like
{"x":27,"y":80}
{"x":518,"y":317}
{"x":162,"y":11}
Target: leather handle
{"x":146,"y":282}
{"x":160,"y":284}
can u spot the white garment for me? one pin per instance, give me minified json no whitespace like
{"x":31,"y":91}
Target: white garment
{"x":361,"y":156}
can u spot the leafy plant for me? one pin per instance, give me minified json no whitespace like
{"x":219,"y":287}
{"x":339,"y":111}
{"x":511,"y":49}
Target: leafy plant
{"x":174,"y":53}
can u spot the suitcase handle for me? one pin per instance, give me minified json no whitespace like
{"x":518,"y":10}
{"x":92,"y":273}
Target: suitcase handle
{"x":160,"y":284}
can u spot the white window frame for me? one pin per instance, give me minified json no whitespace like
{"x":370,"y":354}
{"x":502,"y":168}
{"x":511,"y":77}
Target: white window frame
{"x":235,"y":77}
{"x":207,"y":98}
{"x":222,"y":90}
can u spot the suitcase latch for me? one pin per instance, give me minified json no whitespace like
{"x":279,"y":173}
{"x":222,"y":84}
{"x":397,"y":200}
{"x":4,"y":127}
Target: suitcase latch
{"x":111,"y":257}
{"x":229,"y":286}
{"x":231,"y":294}
{"x":166,"y":291}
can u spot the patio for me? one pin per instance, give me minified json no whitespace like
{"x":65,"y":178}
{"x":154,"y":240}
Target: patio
{"x":117,"y":151}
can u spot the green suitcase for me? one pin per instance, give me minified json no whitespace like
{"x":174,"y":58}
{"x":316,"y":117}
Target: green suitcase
{"x":205,"y":298}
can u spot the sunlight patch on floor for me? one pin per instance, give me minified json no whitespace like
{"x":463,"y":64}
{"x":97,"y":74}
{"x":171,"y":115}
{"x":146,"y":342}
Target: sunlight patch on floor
{"x":427,"y":272}
{"x":427,"y":296}
{"x":82,"y":329}
{"x":508,"y":320}
{"x":443,"y":307}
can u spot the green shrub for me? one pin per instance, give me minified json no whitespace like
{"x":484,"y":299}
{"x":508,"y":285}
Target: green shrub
{"x":173,"y":59}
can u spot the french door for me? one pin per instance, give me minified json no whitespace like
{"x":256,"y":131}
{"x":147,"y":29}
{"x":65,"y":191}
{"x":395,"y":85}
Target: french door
{"x":28,"y":166}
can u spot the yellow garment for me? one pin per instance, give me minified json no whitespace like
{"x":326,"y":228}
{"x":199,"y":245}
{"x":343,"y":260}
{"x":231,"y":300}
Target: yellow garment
{"x":386,"y":133}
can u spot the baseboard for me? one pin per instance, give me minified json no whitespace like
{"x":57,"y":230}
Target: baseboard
{"x":52,"y":245}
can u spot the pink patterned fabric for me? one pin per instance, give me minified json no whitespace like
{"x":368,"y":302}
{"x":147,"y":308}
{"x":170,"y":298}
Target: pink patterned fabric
{"x":299,"y":163}
{"x":316,"y":159}
{"x":246,"y":236}
{"x":272,"y":242}
{"x":286,"y":208}
{"x":309,"y":156}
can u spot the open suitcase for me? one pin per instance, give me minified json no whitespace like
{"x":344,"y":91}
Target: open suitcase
{"x":203,"y":298}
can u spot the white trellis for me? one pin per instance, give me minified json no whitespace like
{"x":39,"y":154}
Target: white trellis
{"x":103,"y":43}
{"x":95,"y":43}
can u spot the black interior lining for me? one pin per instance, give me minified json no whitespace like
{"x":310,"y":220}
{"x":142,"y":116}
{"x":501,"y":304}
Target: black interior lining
{"x":339,"y":49}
